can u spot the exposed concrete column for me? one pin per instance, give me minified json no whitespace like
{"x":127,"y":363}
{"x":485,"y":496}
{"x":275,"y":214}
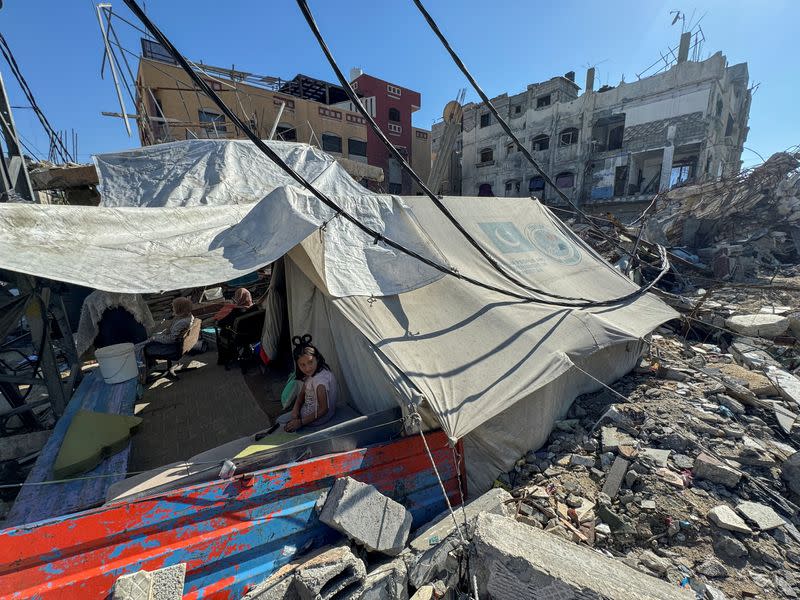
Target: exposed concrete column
{"x":666,"y":159}
{"x":589,"y":87}
{"x":666,"y":167}
{"x":683,"y":49}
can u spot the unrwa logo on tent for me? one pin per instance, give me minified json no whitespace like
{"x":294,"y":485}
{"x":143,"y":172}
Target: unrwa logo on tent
{"x":553,"y":244}
{"x":506,"y":237}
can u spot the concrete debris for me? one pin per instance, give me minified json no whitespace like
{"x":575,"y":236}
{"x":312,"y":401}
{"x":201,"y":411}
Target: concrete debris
{"x":365,"y":515}
{"x":724,"y":517}
{"x":763,"y":516}
{"x":335,"y":573}
{"x":708,"y":467}
{"x":615,"y":476}
{"x":434,"y":552}
{"x":515,"y":561}
{"x":386,"y":582}
{"x":759,"y":325}
{"x":161,"y":584}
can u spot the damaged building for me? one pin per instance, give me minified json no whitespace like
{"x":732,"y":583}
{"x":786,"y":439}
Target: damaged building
{"x":615,"y":147}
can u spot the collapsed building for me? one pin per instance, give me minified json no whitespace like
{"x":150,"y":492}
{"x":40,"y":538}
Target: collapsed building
{"x":613,"y":148}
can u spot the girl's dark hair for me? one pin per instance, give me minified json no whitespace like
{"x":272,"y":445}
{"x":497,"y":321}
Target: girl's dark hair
{"x":303,"y":345}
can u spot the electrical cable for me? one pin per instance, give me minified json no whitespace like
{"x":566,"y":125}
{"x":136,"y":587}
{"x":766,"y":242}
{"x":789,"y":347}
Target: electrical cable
{"x":26,"y":90}
{"x":578,"y":302}
{"x":203,"y":86}
{"x":303,"y":5}
{"x":378,"y":237}
{"x":520,"y":146}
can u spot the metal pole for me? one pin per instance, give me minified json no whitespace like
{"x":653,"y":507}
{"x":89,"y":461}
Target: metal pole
{"x":14,"y":173}
{"x":277,"y":120}
{"x":111,"y":63}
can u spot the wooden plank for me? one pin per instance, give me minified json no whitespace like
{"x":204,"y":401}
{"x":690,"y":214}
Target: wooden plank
{"x":37,"y":502}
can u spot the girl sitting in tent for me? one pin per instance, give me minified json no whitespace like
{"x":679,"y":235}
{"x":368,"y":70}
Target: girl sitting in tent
{"x":315,"y":402}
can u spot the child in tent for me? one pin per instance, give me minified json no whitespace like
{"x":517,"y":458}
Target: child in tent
{"x":315,"y":402}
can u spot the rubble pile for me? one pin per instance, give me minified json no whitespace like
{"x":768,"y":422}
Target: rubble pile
{"x":737,"y":226}
{"x":688,"y":471}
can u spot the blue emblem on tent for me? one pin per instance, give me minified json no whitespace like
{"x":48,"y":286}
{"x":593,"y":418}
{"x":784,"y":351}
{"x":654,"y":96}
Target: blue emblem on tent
{"x":506,"y":237}
{"x":554,"y":245}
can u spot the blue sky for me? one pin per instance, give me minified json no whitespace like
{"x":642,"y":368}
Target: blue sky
{"x":505,"y":43}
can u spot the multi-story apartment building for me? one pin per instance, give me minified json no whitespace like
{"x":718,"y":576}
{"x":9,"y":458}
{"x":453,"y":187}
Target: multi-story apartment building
{"x":611,"y":148}
{"x":303,"y":109}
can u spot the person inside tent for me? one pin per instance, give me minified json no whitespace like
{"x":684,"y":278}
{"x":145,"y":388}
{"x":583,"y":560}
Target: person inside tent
{"x":227,"y":349}
{"x":170,"y":340}
{"x":315,"y":402}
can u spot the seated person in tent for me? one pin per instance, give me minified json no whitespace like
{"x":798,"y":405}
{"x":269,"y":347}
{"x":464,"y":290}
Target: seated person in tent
{"x":169,"y":341}
{"x":109,"y":318}
{"x":315,"y":402}
{"x":227,"y":350}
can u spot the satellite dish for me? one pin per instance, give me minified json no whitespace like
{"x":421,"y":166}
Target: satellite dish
{"x":452,"y":111}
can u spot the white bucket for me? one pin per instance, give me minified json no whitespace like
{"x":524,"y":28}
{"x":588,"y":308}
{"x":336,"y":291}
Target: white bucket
{"x":117,"y":362}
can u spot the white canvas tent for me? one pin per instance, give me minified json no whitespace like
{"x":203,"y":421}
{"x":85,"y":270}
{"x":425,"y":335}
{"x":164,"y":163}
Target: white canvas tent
{"x":493,"y":371}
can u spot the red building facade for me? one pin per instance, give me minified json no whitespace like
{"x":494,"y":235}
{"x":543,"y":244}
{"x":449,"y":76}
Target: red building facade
{"x":392,"y":110}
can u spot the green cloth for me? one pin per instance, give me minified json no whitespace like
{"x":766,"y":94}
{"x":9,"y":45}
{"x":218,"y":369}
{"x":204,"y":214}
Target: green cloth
{"x":91,"y":437}
{"x":290,"y":390}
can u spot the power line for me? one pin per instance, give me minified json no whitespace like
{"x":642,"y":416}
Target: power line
{"x":55,"y":140}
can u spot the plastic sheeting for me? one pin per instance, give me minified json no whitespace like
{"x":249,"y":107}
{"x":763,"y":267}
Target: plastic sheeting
{"x":212,"y":172}
{"x":138,"y":250}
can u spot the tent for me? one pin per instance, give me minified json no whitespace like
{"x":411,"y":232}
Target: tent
{"x":491,"y":370}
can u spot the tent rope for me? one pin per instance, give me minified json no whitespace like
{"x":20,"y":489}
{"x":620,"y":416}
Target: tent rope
{"x":416,"y":420}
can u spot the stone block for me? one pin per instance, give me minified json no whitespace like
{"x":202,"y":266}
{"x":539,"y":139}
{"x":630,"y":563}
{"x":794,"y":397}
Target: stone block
{"x":758,"y":325}
{"x":335,"y":573}
{"x":723,"y":516}
{"x":763,"y":516}
{"x":426,"y":592}
{"x":386,"y":582}
{"x":612,"y":438}
{"x":654,"y":457}
{"x":517,"y":561}
{"x":161,"y":584}
{"x":708,"y":467}
{"x":365,"y":515}
{"x":615,"y":477}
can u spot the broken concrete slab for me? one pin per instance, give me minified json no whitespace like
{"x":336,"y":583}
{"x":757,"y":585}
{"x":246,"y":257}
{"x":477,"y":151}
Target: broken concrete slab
{"x":161,"y":584}
{"x":386,"y":582}
{"x":708,"y":467}
{"x":612,"y":438}
{"x":746,"y":354}
{"x":431,"y":554}
{"x":756,"y":382}
{"x":330,"y":573}
{"x":725,"y":518}
{"x":494,"y":501}
{"x":365,"y":515}
{"x":760,"y":514}
{"x":785,"y":417}
{"x":654,"y":457}
{"x":758,"y":325}
{"x":426,"y":592}
{"x":517,"y":561}
{"x":788,"y":385}
{"x":615,"y":477}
